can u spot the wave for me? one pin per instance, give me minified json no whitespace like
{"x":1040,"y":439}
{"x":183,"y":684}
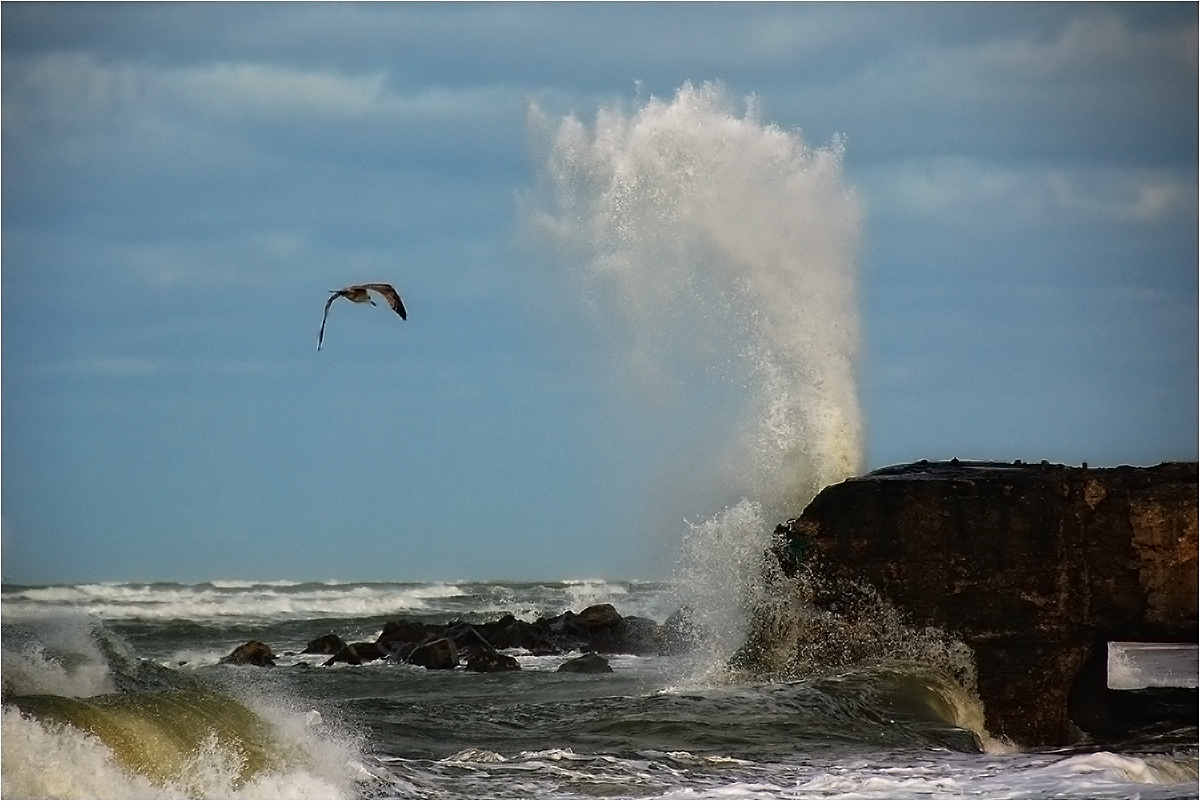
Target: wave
{"x":228,"y":602}
{"x":164,"y":745}
{"x":84,"y":718}
{"x":225,"y":600}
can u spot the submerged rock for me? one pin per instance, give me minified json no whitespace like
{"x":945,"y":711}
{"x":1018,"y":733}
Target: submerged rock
{"x":588,"y":663}
{"x":491,"y":662}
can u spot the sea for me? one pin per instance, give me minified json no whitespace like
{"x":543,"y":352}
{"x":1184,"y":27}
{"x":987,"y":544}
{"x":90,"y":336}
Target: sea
{"x":716,"y":253}
{"x":116,"y":690}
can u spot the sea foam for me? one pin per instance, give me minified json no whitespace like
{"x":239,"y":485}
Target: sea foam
{"x":225,"y":600}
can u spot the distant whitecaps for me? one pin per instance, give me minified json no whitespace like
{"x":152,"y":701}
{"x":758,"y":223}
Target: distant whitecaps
{"x":226,"y":600}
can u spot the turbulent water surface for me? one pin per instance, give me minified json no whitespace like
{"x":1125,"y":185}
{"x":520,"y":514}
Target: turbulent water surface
{"x":727,"y":246}
{"x":114,"y":690}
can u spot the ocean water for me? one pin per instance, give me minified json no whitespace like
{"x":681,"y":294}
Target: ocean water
{"x":726,"y":248}
{"x":116,"y":691}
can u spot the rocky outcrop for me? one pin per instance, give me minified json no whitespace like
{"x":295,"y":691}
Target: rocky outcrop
{"x":1035,"y":567}
{"x":598,"y":628}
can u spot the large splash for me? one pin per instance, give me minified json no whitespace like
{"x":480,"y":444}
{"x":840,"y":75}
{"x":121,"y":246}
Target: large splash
{"x":84,"y":718}
{"x":726,"y":243}
{"x":725,"y":239}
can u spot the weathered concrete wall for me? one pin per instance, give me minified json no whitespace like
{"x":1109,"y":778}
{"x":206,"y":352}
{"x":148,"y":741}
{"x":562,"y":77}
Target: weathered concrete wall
{"x":1035,"y":567}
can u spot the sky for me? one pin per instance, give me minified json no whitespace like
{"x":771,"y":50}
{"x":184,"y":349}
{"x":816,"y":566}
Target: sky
{"x":183,"y":184}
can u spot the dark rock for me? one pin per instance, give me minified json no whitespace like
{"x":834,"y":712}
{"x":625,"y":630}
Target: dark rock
{"x":599,"y":616}
{"x":435,"y":654}
{"x":493,"y":662}
{"x":565,"y":632}
{"x":329,"y":644}
{"x":597,"y":628}
{"x":630,"y":635}
{"x":1035,"y":567}
{"x":401,"y":631}
{"x":253,"y":652}
{"x":563,"y":625}
{"x":681,"y":633}
{"x":399,"y":651}
{"x":509,"y":632}
{"x":356,"y":654}
{"x":588,"y":663}
{"x":467,"y":640}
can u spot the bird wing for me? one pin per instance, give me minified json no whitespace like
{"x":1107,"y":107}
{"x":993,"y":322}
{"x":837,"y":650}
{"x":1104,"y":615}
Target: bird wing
{"x":392,"y":297}
{"x":321,"y":336}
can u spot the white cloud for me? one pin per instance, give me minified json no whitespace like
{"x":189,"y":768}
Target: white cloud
{"x":114,"y":366}
{"x":270,"y":90}
{"x":953,"y":189}
{"x":74,"y":90}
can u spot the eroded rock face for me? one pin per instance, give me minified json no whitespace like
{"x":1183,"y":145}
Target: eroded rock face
{"x":1035,"y":567}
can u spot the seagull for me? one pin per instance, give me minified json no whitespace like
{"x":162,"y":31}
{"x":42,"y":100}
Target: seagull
{"x":359,"y":294}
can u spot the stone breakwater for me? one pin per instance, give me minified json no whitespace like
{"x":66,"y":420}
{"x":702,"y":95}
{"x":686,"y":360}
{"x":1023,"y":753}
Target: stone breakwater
{"x":598,"y":629}
{"x":1036,"y":568}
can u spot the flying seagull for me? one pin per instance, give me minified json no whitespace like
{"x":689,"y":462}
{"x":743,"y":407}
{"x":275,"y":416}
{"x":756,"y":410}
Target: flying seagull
{"x":359,"y":294}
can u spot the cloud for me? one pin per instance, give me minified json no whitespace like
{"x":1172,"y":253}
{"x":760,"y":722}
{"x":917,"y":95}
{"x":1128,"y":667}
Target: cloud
{"x":951,"y":191}
{"x":69,"y":92}
{"x":1096,"y":87}
{"x":72,"y":113}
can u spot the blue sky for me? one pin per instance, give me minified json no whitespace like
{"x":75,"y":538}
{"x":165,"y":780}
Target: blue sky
{"x":184,"y":183}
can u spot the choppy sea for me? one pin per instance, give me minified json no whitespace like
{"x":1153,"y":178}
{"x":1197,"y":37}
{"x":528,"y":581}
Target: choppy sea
{"x":116,"y":691}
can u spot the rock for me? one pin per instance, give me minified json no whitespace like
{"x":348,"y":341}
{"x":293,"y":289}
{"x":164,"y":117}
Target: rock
{"x":401,"y":631}
{"x":467,"y":640}
{"x":435,"y":654}
{"x":1034,"y":567}
{"x":588,"y":663}
{"x":253,"y":652}
{"x":630,"y":635}
{"x":329,"y":644}
{"x":599,"y":616}
{"x":681,"y":633}
{"x":599,"y":627}
{"x":356,"y":654}
{"x":509,"y":632}
{"x":493,"y":662}
{"x":565,"y":632}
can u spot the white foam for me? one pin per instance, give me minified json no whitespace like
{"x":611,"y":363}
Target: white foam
{"x":1136,"y":665}
{"x":231,"y":600}
{"x":63,"y":659}
{"x":1105,"y":767}
{"x":46,"y":760}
